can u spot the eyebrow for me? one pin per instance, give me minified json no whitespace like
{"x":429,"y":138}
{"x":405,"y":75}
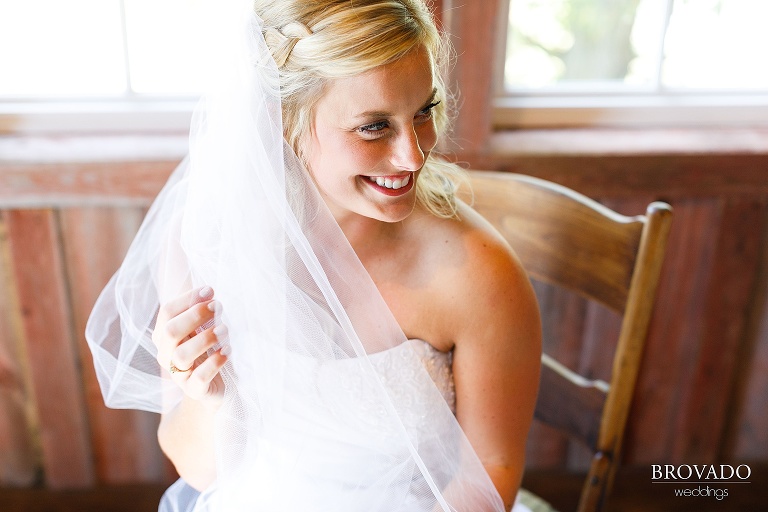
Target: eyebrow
{"x":382,"y":113}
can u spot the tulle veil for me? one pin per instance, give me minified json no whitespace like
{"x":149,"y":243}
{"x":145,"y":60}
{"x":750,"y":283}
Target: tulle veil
{"x":319,"y":409}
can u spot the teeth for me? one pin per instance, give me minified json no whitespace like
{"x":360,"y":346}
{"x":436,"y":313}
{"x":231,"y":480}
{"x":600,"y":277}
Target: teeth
{"x":389,"y":183}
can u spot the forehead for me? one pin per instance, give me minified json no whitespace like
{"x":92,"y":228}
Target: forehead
{"x":403,"y":84}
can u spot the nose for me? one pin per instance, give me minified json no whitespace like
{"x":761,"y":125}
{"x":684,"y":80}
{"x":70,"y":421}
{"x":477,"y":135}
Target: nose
{"x":407,"y":154}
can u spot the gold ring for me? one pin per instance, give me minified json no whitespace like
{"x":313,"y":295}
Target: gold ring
{"x":174,"y":369}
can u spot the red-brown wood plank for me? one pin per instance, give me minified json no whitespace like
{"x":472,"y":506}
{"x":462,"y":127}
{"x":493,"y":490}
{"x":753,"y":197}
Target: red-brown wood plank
{"x":80,"y":183}
{"x":52,"y":353}
{"x":747,"y":433}
{"x":18,"y":458}
{"x":750,"y":432}
{"x":124,"y":441}
{"x":472,"y":27}
{"x":731,"y":283}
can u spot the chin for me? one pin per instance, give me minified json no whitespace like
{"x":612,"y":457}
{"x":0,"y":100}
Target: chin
{"x":395,"y":212}
{"x":393,"y":217}
{"x":394,"y":208}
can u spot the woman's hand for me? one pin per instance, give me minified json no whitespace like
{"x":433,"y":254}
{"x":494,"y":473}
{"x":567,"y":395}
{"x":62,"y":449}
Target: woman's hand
{"x":185,"y":330}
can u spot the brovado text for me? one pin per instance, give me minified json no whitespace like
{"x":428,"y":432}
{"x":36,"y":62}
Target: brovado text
{"x":723,"y":472}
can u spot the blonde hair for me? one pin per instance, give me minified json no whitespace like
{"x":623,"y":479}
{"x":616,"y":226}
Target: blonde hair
{"x":316,"y":41}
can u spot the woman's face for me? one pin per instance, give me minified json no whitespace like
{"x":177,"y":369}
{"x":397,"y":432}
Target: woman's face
{"x":371,"y":136}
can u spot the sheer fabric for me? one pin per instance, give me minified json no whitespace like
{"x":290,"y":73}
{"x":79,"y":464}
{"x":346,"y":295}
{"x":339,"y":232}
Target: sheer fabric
{"x":319,"y":409}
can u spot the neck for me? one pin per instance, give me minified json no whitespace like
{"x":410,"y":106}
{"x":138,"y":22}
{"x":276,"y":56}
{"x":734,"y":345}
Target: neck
{"x":361,"y":231}
{"x":365,"y":232}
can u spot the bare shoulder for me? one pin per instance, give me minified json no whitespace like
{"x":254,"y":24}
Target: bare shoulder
{"x":487,"y":249}
{"x":491,"y":315}
{"x":482,"y":290}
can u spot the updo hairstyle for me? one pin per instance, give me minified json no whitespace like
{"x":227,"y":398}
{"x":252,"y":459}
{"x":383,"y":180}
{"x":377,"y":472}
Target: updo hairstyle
{"x":319,"y":40}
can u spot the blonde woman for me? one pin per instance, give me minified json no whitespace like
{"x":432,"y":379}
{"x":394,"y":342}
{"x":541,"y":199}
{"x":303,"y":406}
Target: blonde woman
{"x":423,"y":278}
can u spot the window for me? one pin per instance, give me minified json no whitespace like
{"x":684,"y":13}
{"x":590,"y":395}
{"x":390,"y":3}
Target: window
{"x":634,"y":62}
{"x":98,"y":64}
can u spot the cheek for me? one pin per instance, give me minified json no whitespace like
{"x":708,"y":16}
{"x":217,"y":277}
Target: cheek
{"x":350,"y":157}
{"x":336,"y":160}
{"x":360,"y":157}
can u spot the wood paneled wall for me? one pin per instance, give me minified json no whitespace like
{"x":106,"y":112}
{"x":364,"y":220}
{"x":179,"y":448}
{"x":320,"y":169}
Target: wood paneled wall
{"x":64,"y":230}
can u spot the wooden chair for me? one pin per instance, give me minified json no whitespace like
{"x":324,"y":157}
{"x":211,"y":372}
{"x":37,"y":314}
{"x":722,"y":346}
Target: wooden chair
{"x":568,"y":240}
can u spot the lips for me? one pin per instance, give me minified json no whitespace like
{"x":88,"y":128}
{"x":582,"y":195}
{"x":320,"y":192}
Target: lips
{"x":391,"y":185}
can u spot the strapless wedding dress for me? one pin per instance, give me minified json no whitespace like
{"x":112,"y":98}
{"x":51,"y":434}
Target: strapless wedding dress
{"x":392,"y":365}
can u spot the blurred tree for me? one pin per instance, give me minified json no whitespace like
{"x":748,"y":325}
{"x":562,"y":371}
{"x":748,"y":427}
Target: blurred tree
{"x":601,"y":30}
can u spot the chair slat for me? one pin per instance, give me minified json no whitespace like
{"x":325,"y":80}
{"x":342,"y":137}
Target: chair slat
{"x":569,"y":402}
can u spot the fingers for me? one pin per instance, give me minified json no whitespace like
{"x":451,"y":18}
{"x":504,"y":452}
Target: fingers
{"x":204,"y":380}
{"x":184,"y":301}
{"x":186,"y":336}
{"x":188,"y":321}
{"x":186,"y":353}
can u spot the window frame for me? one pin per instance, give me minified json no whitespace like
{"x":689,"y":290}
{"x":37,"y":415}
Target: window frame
{"x":617,"y":109}
{"x":103,"y":116}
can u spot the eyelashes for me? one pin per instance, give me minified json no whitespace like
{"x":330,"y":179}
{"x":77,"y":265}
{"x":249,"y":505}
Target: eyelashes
{"x":375,"y":130}
{"x":373,"y":127}
{"x":428,"y":109}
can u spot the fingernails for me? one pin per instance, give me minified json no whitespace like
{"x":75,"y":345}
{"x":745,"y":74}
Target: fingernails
{"x":220,"y":331}
{"x":206,"y":292}
{"x":226,"y":350}
{"x":214,"y":306}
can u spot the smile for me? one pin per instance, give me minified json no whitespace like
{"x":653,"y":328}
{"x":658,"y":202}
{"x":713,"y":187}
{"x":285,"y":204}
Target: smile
{"x":390,"y":183}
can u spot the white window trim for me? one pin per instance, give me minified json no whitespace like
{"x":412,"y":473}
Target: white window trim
{"x":639,"y":111}
{"x":95,"y":116}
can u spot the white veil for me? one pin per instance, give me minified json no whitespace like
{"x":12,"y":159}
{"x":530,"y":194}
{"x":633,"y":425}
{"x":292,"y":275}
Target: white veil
{"x":326,"y":407}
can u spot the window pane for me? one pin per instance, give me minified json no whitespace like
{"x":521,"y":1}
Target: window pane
{"x":164,"y":44}
{"x":717,"y":44}
{"x":588,"y":42}
{"x":61,"y":48}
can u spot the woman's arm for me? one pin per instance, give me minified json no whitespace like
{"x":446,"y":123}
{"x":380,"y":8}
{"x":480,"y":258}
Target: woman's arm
{"x":497,"y":355}
{"x":186,"y":437}
{"x":186,"y":431}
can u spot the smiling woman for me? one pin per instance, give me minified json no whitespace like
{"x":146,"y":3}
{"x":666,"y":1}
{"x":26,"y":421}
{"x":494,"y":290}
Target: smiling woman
{"x":320,"y":321}
{"x":387,"y":134}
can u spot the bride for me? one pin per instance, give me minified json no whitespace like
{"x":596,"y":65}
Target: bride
{"x":322,"y":323}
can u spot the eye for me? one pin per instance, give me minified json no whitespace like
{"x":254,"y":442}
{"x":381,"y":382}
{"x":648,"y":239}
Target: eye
{"x":426,"y":113}
{"x":374,"y":130}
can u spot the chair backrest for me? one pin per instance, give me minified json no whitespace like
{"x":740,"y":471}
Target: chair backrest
{"x":568,"y":240}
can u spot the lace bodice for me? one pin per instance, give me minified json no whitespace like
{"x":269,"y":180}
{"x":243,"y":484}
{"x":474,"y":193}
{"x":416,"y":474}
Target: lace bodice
{"x":439,"y":366}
